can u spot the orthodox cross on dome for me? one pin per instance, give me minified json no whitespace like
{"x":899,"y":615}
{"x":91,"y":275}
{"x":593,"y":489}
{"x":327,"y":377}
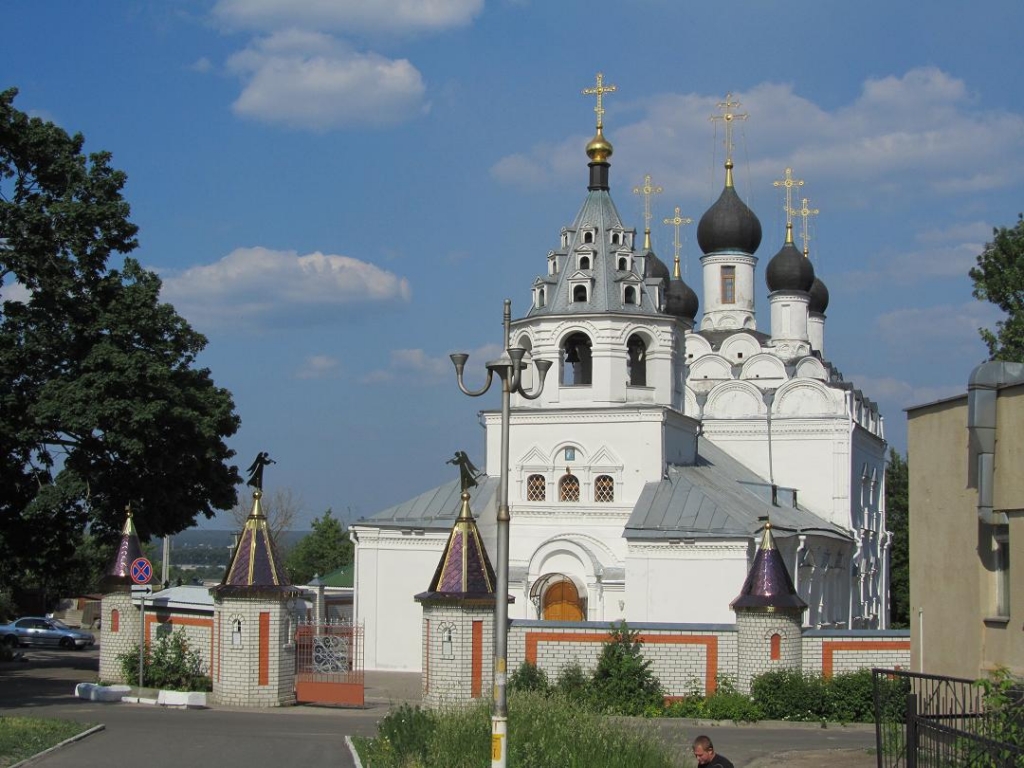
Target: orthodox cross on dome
{"x":789,"y":182}
{"x":647,"y":190}
{"x":678,"y":221}
{"x":599,"y":90}
{"x":727,"y":117}
{"x":805,"y":212}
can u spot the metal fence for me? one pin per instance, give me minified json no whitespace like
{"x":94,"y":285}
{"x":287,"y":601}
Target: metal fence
{"x":329,"y":663}
{"x":931,"y":720}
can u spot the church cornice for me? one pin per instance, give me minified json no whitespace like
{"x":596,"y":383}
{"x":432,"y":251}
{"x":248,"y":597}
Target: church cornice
{"x":617,"y":414}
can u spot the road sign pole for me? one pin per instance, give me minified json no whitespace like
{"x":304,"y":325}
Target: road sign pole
{"x":142,"y":635}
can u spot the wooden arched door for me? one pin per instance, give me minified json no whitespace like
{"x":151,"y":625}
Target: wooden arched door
{"x":562,"y":602}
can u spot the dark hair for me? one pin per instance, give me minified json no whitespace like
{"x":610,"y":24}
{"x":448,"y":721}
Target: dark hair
{"x":704,"y":743}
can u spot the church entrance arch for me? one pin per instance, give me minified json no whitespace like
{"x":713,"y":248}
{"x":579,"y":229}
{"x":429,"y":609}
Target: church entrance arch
{"x":559,"y":599}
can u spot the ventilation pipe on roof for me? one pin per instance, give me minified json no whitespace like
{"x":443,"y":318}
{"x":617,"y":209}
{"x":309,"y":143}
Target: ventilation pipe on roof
{"x":982,"y":390}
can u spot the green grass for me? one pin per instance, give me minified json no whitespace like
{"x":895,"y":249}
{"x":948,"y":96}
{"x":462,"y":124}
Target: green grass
{"x":544,"y":732}
{"x":22,"y":737}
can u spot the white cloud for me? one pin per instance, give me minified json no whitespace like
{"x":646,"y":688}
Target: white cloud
{"x":202,"y":64}
{"x":318,"y":367}
{"x":428,"y":368}
{"x":902,"y":394}
{"x":918,"y":135}
{"x":953,"y":326}
{"x":350,"y":16}
{"x":308,"y":80}
{"x":259,"y":285}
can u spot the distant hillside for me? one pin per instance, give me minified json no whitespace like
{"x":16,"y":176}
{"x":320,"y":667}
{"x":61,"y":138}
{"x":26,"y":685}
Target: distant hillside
{"x":199,"y":538}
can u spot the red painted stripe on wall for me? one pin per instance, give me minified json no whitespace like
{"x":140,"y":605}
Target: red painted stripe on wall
{"x":264,"y":648}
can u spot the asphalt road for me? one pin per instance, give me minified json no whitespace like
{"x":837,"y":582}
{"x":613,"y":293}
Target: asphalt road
{"x":159,"y":737}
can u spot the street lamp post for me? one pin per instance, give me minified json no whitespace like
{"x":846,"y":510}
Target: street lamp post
{"x":509,"y":369}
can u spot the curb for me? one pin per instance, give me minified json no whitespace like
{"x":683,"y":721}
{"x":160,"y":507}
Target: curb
{"x":55,"y":747}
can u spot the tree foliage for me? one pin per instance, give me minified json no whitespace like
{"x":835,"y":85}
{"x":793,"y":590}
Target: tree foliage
{"x":623,"y":682}
{"x":327,"y":548}
{"x":999,"y":278}
{"x":897,"y":517}
{"x":101,"y":403}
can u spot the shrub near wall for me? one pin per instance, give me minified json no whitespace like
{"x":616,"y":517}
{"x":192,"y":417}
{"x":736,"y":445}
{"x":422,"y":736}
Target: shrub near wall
{"x":791,"y":695}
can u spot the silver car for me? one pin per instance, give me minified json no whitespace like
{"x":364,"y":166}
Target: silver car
{"x":35,"y":630}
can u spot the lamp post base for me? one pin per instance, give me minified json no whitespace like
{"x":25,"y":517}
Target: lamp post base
{"x":499,"y":741}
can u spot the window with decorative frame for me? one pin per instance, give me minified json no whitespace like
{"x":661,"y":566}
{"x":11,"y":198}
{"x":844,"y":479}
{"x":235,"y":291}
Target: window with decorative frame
{"x":729,"y":285}
{"x":536,"y":488}
{"x":569,"y":488}
{"x":604,"y":489}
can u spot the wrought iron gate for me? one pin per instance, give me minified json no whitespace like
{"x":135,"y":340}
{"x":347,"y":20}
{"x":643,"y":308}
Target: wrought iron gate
{"x":329,"y":663}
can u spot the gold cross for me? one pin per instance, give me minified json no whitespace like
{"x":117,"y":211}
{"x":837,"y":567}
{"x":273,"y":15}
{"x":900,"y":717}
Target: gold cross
{"x":647,"y":190}
{"x":727,"y":117}
{"x":805,"y":212}
{"x":600,"y":90}
{"x":678,"y":221}
{"x":789,"y":182}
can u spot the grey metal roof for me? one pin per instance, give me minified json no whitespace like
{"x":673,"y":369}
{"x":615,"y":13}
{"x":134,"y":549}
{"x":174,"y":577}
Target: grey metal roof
{"x":716,"y":497}
{"x":437,"y":508}
{"x":598,"y":211}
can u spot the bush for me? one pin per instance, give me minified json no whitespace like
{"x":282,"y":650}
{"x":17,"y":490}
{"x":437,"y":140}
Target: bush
{"x":726,"y":703}
{"x":623,"y":682}
{"x":170,"y":665}
{"x":792,"y":695}
{"x":403,"y":738}
{"x":574,"y":684}
{"x":528,"y":678}
{"x":850,"y":698}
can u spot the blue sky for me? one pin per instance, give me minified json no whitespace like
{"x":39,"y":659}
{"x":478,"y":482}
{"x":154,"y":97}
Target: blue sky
{"x":339,"y":193}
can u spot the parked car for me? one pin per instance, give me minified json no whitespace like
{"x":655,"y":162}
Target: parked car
{"x":35,"y":630}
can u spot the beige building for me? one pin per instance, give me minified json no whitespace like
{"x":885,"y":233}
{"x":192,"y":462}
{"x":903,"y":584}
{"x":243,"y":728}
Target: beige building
{"x":966,"y":457}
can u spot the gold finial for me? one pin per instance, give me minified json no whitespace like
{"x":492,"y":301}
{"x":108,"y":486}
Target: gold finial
{"x":599,"y":90}
{"x":789,"y":182}
{"x":805,"y":212}
{"x":128,"y":509}
{"x":647,"y":190}
{"x":727,"y":117}
{"x":678,"y":221}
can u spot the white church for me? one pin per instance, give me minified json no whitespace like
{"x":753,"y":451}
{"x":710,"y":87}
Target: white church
{"x":642,"y":477}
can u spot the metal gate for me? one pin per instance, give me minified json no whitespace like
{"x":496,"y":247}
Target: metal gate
{"x":329,"y":663}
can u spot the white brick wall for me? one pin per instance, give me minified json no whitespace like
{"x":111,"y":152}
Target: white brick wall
{"x":447,"y":667}
{"x":237,"y":655}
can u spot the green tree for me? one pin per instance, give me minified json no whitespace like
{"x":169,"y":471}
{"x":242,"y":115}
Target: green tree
{"x":999,"y":278}
{"x":897,"y":518}
{"x":623,"y":682}
{"x":101,"y":402}
{"x":327,"y":548}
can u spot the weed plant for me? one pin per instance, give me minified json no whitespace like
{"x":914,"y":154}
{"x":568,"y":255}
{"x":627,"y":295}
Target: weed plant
{"x":545,"y":731}
{"x":170,"y":665}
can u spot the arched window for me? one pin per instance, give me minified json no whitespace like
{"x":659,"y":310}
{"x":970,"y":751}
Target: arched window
{"x":615,"y":238}
{"x":629,"y":296}
{"x":604,"y":489}
{"x":588,"y":237}
{"x":576,"y":361}
{"x":536,"y":488}
{"x":569,"y":488}
{"x":636,"y":363}
{"x":540,"y":297}
{"x":776,"y":647}
{"x":623,"y":264}
{"x":579,"y":293}
{"x":584,"y":262}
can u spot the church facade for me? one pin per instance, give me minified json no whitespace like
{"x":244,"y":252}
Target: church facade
{"x":664,"y":439}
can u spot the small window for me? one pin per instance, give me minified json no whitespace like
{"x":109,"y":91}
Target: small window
{"x":630,"y":295}
{"x":577,"y":368}
{"x":588,"y":237}
{"x":579,"y":293}
{"x":615,"y":238}
{"x":569,"y":488}
{"x":604,"y":489}
{"x":540,"y":298}
{"x":570,"y":454}
{"x":536,"y":488}
{"x":584,"y":262}
{"x":115,"y":620}
{"x":728,"y":285}
{"x":623,"y":264}
{"x":776,"y":647}
{"x":636,"y":361}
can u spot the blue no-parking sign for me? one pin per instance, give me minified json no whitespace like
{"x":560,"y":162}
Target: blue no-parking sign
{"x":142,"y":570}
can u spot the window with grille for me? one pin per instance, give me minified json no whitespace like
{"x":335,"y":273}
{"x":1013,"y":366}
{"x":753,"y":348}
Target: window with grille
{"x":604,"y":488}
{"x":569,"y":488}
{"x":536,"y":488}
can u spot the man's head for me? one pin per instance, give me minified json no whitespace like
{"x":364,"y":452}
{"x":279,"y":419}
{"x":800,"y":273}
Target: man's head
{"x":703,"y":750}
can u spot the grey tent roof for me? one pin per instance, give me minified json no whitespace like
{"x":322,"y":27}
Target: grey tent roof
{"x":438,"y":508}
{"x":717,"y":497}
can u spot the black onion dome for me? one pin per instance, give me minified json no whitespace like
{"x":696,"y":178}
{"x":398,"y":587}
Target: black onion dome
{"x":680,"y":300}
{"x":729,"y":225}
{"x":789,"y":270}
{"x":655,"y":267}
{"x":819,"y":297}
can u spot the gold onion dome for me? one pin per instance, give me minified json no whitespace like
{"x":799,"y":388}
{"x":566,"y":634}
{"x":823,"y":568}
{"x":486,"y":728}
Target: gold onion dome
{"x":599,"y":149}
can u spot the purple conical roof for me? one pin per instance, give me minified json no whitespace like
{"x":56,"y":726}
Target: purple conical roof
{"x":255,"y":565}
{"x":128,"y":551}
{"x":464,"y":570}
{"x":768,"y":585}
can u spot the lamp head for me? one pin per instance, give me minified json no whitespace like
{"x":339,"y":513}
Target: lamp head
{"x":459,"y":358}
{"x":543,"y":366}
